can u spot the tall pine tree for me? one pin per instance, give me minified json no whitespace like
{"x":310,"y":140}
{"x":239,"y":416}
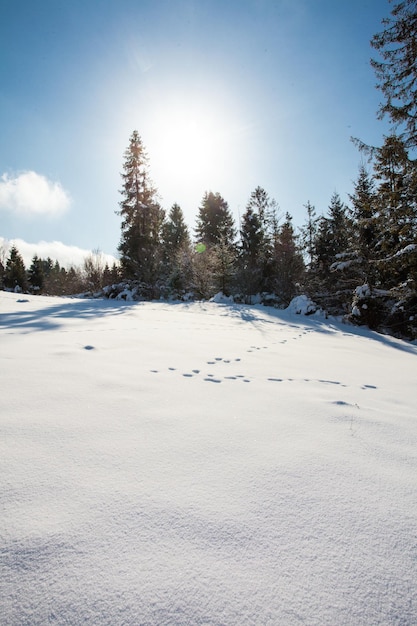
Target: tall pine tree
{"x":142,"y":218}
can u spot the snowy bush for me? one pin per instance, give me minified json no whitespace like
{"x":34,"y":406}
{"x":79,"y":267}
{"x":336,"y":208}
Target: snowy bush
{"x":302,"y":305}
{"x":363,"y":291}
{"x":220,"y":298}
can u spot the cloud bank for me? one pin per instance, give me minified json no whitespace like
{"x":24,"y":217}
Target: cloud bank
{"x":31,"y":194}
{"x":56,"y":250}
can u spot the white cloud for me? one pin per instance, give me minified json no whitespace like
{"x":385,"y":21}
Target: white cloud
{"x":56,"y":250}
{"x":31,"y":194}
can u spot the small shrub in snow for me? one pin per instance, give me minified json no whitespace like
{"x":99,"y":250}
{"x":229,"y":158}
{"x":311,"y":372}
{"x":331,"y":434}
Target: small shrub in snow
{"x":370,"y":307}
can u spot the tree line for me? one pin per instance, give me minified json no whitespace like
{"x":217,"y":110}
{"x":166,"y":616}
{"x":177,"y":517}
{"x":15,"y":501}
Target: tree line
{"x":357,"y":259}
{"x":48,"y":277}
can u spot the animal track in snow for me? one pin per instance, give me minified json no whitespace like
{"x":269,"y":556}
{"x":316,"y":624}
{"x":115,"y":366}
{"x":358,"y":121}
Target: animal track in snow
{"x":219,"y":359}
{"x":210,"y":377}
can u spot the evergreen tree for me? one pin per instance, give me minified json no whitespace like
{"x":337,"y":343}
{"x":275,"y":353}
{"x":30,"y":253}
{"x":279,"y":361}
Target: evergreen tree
{"x":340,"y":225}
{"x":333,"y":235}
{"x":175,"y":233}
{"x":328,"y":282}
{"x":73,"y":281}
{"x":365,"y":232}
{"x":54,"y":279}
{"x":111,"y":274}
{"x":396,"y":193}
{"x":309,"y":233}
{"x":2,"y":270}
{"x":214,"y":221}
{"x":3,"y":256}
{"x":259,"y":229}
{"x":397,"y":71}
{"x":364,"y":212}
{"x":224,"y":260}
{"x":288,"y":264}
{"x":47,"y":266}
{"x":396,"y":175}
{"x":261,"y":205}
{"x":204,"y":266}
{"x":177,"y":251}
{"x":36,"y":276}
{"x":15,"y":272}
{"x":252,"y":257}
{"x":142,"y":218}
{"x":215,"y":229}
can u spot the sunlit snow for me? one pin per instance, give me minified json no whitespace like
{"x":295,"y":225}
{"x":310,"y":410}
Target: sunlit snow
{"x":204,"y":464}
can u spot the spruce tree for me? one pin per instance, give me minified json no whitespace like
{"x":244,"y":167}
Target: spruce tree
{"x":15,"y":277}
{"x":260,"y":204}
{"x":258,"y":228}
{"x":215,"y":229}
{"x":332,"y":236}
{"x":175,"y":233}
{"x":329,"y":282}
{"x":397,"y":71}
{"x":142,"y":218}
{"x":364,"y":212}
{"x":288,"y":264}
{"x":36,"y":277}
{"x":365,"y":231}
{"x":214,"y":221}
{"x":252,"y":257}
{"x":224,"y":265}
{"x":396,"y":175}
{"x":177,"y":252}
{"x":308,"y":234}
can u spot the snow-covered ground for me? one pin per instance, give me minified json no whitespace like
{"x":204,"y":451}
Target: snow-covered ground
{"x":203,"y":464}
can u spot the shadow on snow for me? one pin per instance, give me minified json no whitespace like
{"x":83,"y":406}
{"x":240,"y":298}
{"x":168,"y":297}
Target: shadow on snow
{"x":48,"y":317}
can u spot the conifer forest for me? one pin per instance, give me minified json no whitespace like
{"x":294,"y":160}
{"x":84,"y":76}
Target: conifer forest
{"x":357,"y":260}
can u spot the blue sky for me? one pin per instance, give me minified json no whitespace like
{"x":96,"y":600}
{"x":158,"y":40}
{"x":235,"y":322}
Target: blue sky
{"x":226,"y":95}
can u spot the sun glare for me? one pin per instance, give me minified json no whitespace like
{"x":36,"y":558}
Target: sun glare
{"x":191,"y":145}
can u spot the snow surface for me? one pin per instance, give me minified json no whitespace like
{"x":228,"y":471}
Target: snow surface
{"x":204,"y":464}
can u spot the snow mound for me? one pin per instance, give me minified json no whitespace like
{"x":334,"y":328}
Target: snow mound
{"x":220,"y":298}
{"x":302,"y":305}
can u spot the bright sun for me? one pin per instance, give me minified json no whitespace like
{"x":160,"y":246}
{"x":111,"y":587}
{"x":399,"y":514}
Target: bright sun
{"x":189,"y":145}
